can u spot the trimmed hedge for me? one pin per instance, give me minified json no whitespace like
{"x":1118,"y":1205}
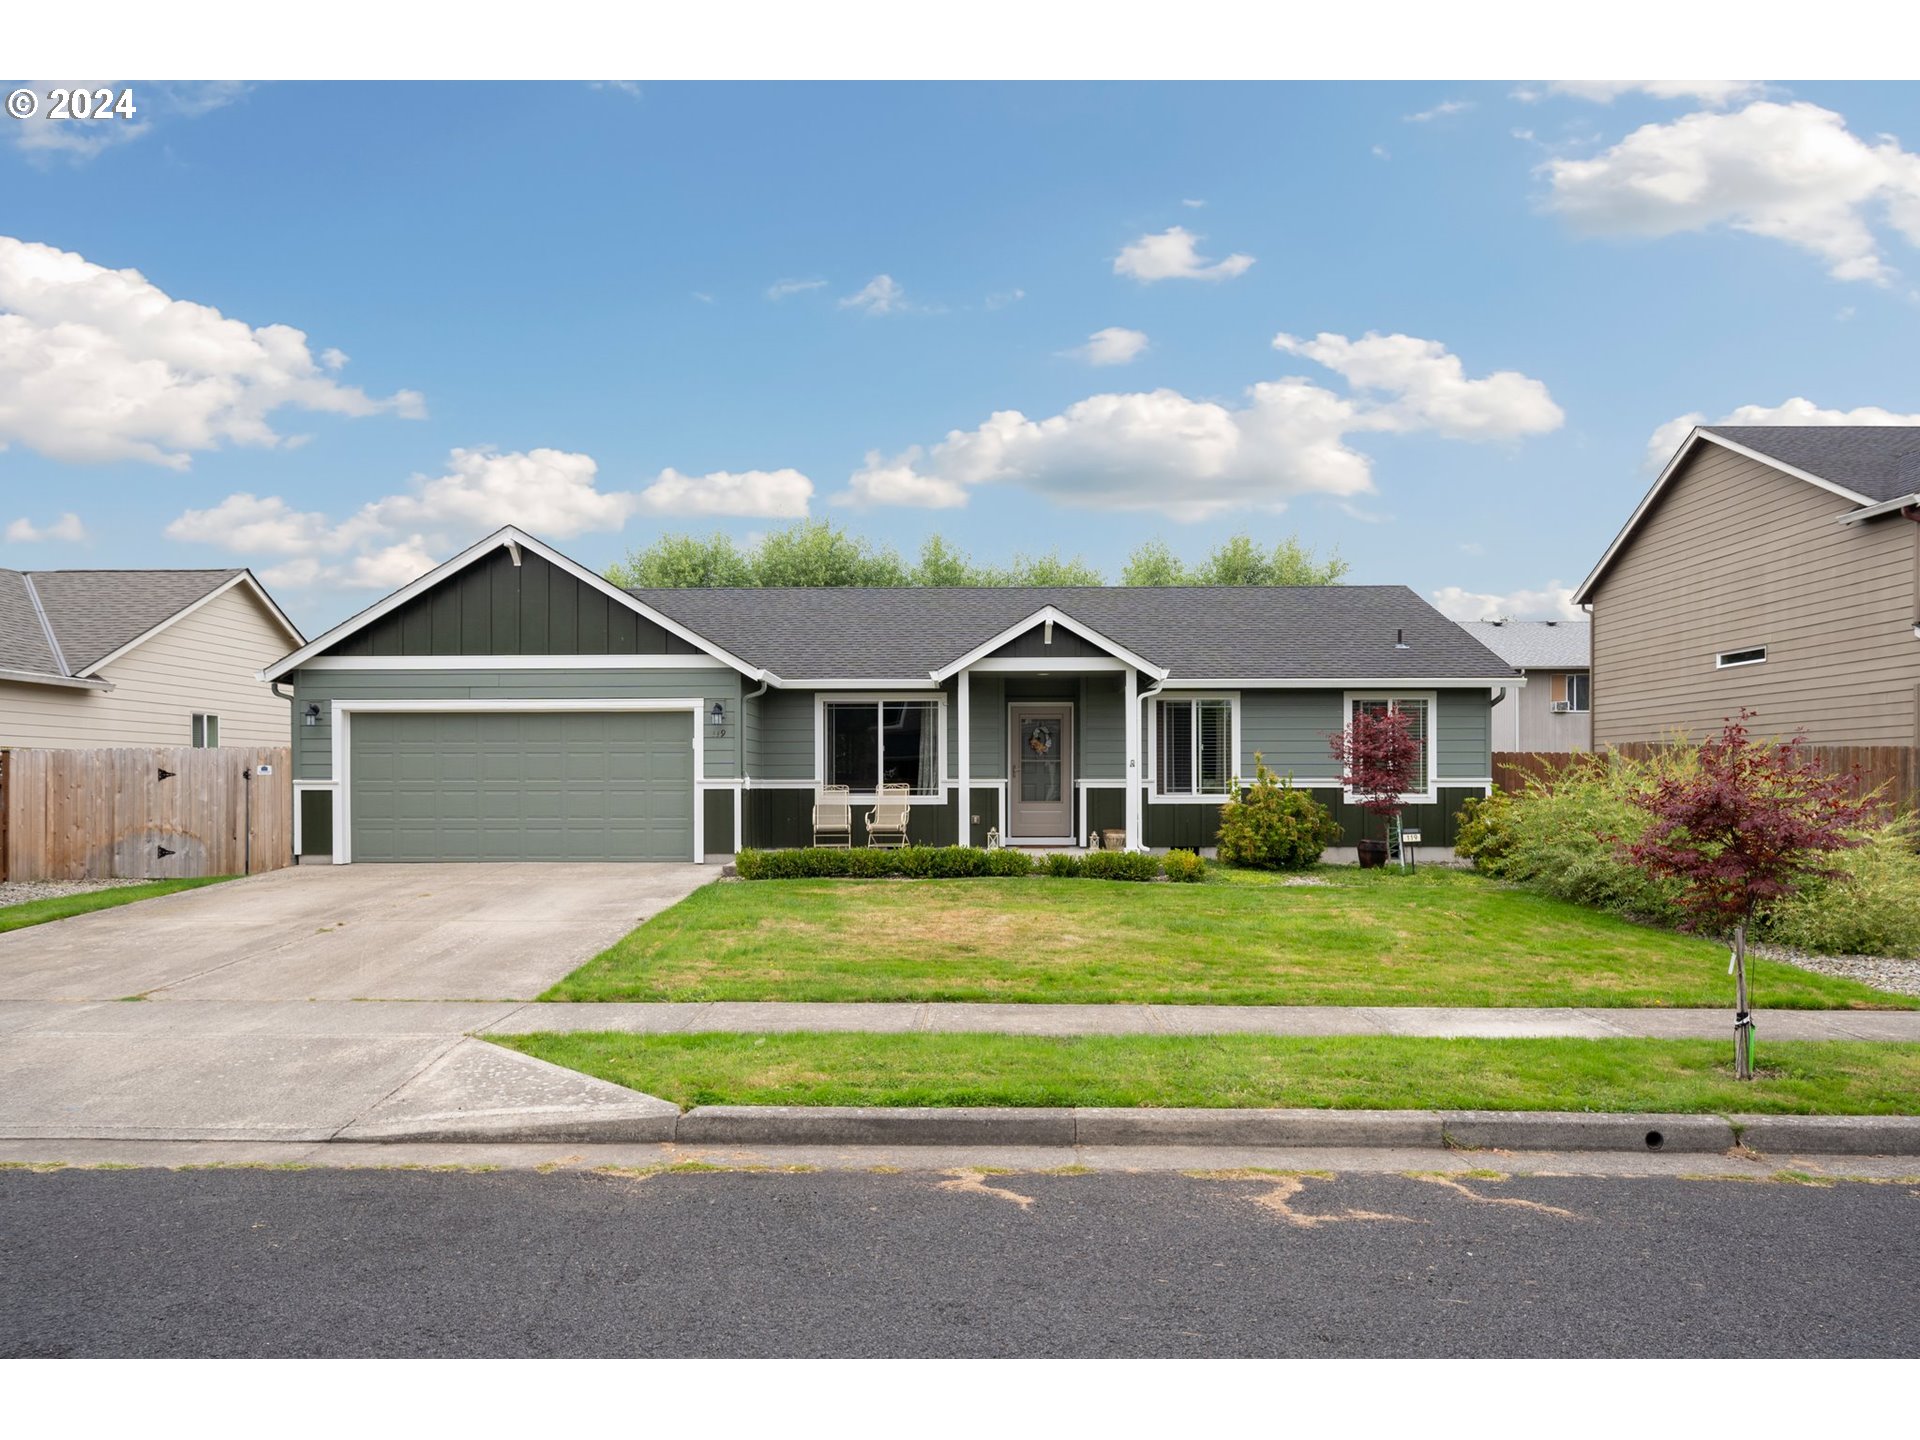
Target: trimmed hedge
{"x":941,"y":862}
{"x":1184,"y":866}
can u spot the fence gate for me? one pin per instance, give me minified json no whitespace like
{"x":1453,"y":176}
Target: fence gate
{"x":150,"y":813}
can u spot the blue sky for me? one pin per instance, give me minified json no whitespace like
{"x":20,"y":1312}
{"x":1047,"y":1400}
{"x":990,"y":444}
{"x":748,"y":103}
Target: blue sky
{"x":549,"y":296}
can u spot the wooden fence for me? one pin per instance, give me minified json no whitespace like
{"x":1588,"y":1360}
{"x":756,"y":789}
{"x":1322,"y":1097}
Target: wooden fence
{"x":144,"y":813}
{"x":1895,"y":767}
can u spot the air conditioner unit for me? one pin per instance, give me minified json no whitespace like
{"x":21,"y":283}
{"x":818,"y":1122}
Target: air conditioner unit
{"x":1562,"y":707}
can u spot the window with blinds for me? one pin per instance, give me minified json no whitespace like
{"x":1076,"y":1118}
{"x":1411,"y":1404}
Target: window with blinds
{"x":1418,"y":710}
{"x":1194,"y":747}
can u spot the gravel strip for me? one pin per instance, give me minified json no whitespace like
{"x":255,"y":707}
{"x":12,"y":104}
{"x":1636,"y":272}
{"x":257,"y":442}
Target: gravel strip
{"x":18,"y":892}
{"x":1901,"y":977}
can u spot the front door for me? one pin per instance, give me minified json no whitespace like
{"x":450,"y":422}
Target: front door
{"x":1041,"y":807}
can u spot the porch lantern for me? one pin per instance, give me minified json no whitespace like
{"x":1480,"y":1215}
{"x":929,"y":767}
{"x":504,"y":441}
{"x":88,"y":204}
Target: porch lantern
{"x":717,"y":718}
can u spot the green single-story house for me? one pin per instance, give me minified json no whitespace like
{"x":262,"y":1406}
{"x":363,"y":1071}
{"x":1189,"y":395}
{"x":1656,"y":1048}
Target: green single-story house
{"x":513,"y":705}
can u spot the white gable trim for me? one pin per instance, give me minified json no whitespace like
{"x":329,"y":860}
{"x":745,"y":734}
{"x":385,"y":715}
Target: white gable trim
{"x":507,"y":535}
{"x":1582,"y":595}
{"x":1050,"y":614}
{"x":244,"y":578}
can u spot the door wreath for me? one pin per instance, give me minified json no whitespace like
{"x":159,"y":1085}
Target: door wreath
{"x":1040,"y":741}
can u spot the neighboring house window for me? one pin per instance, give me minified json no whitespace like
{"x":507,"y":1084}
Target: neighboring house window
{"x":1419,"y":711}
{"x":870,"y":741}
{"x":1194,"y":747}
{"x":206,"y":732}
{"x":1579,"y":693}
{"x":1728,"y":658}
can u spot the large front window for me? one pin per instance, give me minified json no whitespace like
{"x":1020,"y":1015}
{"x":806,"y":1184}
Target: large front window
{"x":1419,"y":712}
{"x":1195,"y":747}
{"x":869,"y":742}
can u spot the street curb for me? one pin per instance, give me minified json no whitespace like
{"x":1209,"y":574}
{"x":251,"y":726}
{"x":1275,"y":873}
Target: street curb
{"x":875,"y":1125}
{"x":1831,"y":1134}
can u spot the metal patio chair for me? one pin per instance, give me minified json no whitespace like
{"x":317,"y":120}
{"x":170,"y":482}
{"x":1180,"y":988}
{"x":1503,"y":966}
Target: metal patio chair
{"x":833,"y":816}
{"x":887,"y":821}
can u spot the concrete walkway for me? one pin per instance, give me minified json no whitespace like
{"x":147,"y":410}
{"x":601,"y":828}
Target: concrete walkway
{"x":1436,"y":1022}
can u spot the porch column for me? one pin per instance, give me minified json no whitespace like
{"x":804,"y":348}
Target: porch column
{"x":963,"y":737}
{"x":1133,"y":759}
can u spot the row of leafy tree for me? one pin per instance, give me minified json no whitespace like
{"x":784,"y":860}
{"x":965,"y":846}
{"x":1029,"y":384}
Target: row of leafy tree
{"x":817,"y":552}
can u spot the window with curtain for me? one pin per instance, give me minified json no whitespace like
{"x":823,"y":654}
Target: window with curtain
{"x":1195,"y":746}
{"x":1417,"y":709}
{"x":895,"y":741}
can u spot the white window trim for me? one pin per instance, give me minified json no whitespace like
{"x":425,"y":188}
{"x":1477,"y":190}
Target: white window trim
{"x":1420,"y":797}
{"x":823,"y":698}
{"x":1720,"y":661}
{"x":1154,"y":796}
{"x":199,"y":719}
{"x":342,"y":756}
{"x":1586,"y":709}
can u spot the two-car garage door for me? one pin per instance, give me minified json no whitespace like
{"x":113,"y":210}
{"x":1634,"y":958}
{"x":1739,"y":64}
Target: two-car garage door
{"x":613,"y":785}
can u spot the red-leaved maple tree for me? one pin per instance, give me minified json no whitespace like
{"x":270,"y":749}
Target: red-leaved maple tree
{"x":1379,"y":758}
{"x":1745,"y":828}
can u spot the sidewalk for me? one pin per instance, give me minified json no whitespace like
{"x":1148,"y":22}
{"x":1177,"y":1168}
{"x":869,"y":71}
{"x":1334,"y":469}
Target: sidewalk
{"x":1434,"y":1022}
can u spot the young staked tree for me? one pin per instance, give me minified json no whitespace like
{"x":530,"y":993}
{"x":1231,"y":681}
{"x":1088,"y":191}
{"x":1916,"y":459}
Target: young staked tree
{"x":1742,"y":830}
{"x":1379,"y":758}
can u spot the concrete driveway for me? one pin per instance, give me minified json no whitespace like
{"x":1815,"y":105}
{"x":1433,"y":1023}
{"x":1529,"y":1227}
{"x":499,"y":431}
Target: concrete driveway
{"x":264,"y":1017}
{"x":348,"y":932}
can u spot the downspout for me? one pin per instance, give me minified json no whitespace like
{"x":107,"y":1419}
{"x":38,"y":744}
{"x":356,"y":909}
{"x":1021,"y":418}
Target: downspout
{"x":1139,"y":702}
{"x":746,"y":780}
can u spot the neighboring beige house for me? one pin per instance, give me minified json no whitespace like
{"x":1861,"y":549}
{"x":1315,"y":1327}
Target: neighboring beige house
{"x":1774,"y":567}
{"x":1554,"y":709}
{"x":139,"y":657}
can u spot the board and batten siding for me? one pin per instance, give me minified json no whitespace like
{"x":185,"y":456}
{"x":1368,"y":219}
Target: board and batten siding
{"x":1736,"y":554}
{"x":209,"y":662}
{"x":313,"y":744}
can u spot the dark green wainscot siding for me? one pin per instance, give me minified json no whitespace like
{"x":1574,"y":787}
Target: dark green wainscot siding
{"x":783,"y":819}
{"x":717,"y":817}
{"x":316,"y":821}
{"x":1188,"y":827}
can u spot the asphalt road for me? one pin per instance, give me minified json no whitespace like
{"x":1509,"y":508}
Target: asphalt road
{"x":327,"y":1262}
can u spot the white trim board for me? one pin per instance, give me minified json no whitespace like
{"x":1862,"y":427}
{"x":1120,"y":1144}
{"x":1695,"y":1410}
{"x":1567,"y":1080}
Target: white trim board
{"x":1432,"y":793}
{"x":506,"y":536}
{"x":342,"y":751}
{"x":1154,"y":797}
{"x":880,"y":697}
{"x":515,"y":662}
{"x":1045,"y":615}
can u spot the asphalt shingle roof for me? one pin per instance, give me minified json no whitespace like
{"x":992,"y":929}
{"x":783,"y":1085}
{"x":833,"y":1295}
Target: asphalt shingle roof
{"x":1881,"y":462}
{"x":1536,"y":644}
{"x":1320,"y":632}
{"x":92,"y":612}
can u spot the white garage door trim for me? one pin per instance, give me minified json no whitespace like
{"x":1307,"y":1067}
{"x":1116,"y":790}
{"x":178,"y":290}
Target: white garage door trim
{"x":345,"y":710}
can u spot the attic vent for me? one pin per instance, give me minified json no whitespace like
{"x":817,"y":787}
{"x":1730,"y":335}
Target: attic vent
{"x":1400,"y":640}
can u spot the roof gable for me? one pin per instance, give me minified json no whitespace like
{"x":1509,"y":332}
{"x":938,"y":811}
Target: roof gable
{"x":73,"y":622}
{"x":1864,"y":465}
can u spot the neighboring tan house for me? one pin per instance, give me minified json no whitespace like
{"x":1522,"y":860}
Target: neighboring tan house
{"x":1774,"y":567}
{"x":138,"y":657}
{"x":1554,"y":709}
{"x":514,"y":705}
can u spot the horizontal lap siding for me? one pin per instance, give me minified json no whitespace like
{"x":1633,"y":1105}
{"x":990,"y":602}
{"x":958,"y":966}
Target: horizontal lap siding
{"x":1736,"y":554}
{"x":313,"y":744}
{"x":1103,"y":720}
{"x":1465,"y":734}
{"x":786,"y":736}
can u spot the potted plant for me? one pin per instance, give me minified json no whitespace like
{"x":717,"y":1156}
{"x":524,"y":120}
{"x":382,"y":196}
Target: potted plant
{"x":1378,"y":755}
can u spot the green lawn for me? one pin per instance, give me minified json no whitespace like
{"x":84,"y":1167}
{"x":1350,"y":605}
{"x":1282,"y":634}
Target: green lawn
{"x":1386,"y":1073}
{"x":1435,"y":937}
{"x":38,"y":912}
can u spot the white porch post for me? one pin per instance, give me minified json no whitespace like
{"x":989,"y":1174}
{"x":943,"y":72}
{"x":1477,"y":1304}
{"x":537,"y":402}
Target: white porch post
{"x":1133,"y":759}
{"x":963,"y":737}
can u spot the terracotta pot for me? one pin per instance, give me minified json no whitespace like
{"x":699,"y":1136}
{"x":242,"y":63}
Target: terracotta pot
{"x":1373,"y":854}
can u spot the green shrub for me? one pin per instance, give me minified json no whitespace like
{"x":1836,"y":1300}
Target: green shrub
{"x":1184,"y":866}
{"x":1871,"y":908}
{"x":1009,"y":862}
{"x":1059,"y":865}
{"x":1272,"y":826}
{"x":1119,"y":865}
{"x":1484,"y":832}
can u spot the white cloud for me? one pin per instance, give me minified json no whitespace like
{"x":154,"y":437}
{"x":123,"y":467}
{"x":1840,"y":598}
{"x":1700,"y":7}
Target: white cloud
{"x":1114,"y":345}
{"x":67,"y":528}
{"x":1428,"y":387}
{"x":101,"y":365}
{"x":1189,"y":459}
{"x":1792,"y":172}
{"x":1194,"y":204}
{"x":1380,"y":152}
{"x":44,"y":139}
{"x":881,"y":295}
{"x":1439,"y":112}
{"x":778,"y":494}
{"x":1000,"y":299}
{"x":1554,"y":602}
{"x":629,"y":88}
{"x":1797,"y":411}
{"x":780,"y":289}
{"x":1714,"y":93}
{"x":1174,"y":255}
